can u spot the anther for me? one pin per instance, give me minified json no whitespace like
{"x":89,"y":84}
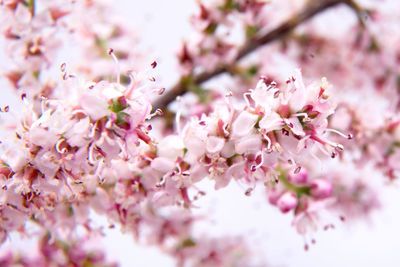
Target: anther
{"x":161,"y":91}
{"x":339,"y":148}
{"x":63,"y":67}
{"x":297,"y":170}
{"x":248,"y":192}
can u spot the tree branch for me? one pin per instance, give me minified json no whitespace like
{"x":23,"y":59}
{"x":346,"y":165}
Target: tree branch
{"x":313,"y":8}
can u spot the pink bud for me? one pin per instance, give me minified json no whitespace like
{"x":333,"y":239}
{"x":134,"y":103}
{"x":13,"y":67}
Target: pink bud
{"x":299,"y":177}
{"x":287,"y":202}
{"x":321,"y":188}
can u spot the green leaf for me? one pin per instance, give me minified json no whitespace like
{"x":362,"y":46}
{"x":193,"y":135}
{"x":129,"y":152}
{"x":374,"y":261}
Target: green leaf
{"x":117,"y":106}
{"x":188,"y":242}
{"x":251,"y":31}
{"x":211,"y":28}
{"x":229,"y":5}
{"x":122,"y":118}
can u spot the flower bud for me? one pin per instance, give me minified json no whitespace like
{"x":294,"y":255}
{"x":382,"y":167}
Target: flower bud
{"x":287,"y":202}
{"x":321,"y":188}
{"x":300,"y":177}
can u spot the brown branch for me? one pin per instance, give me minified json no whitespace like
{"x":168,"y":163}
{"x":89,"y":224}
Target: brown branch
{"x":313,"y":8}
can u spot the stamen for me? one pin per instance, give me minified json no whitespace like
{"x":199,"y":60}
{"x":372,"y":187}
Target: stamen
{"x":161,"y":91}
{"x":63,"y":67}
{"x":261,"y":156}
{"x":285,"y":132}
{"x":248,"y":191}
{"x":111,"y":53}
{"x":178,"y":115}
{"x":325,"y":142}
{"x":348,"y":136}
{"x":99,"y":168}
{"x":124,"y":148}
{"x":91,"y":155}
{"x":178,"y":168}
{"x":277,"y":147}
{"x":297,"y":170}
{"x":245,"y":96}
{"x":302,"y":114}
{"x":93,"y":131}
{"x":268,"y":141}
{"x":163,"y":179}
{"x":336,"y":146}
{"x":43,"y":104}
{"x":339,"y":148}
{"x":57,"y":146}
{"x":302,"y":143}
{"x":132,"y":84}
{"x":68,"y":186}
{"x":155,"y":113}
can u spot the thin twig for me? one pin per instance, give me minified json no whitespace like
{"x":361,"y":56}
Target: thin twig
{"x":313,"y":8}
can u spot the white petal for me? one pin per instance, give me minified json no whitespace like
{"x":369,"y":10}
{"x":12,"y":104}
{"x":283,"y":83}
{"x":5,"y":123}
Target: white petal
{"x":247,"y":144}
{"x":243,"y":124}
{"x":214,"y":144}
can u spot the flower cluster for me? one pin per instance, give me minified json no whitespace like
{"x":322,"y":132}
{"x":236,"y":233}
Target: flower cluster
{"x":269,"y":138}
{"x":214,"y":24}
{"x":58,"y":253}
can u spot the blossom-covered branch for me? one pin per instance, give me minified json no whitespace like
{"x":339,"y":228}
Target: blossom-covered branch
{"x":85,"y":139}
{"x":312,"y":8}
